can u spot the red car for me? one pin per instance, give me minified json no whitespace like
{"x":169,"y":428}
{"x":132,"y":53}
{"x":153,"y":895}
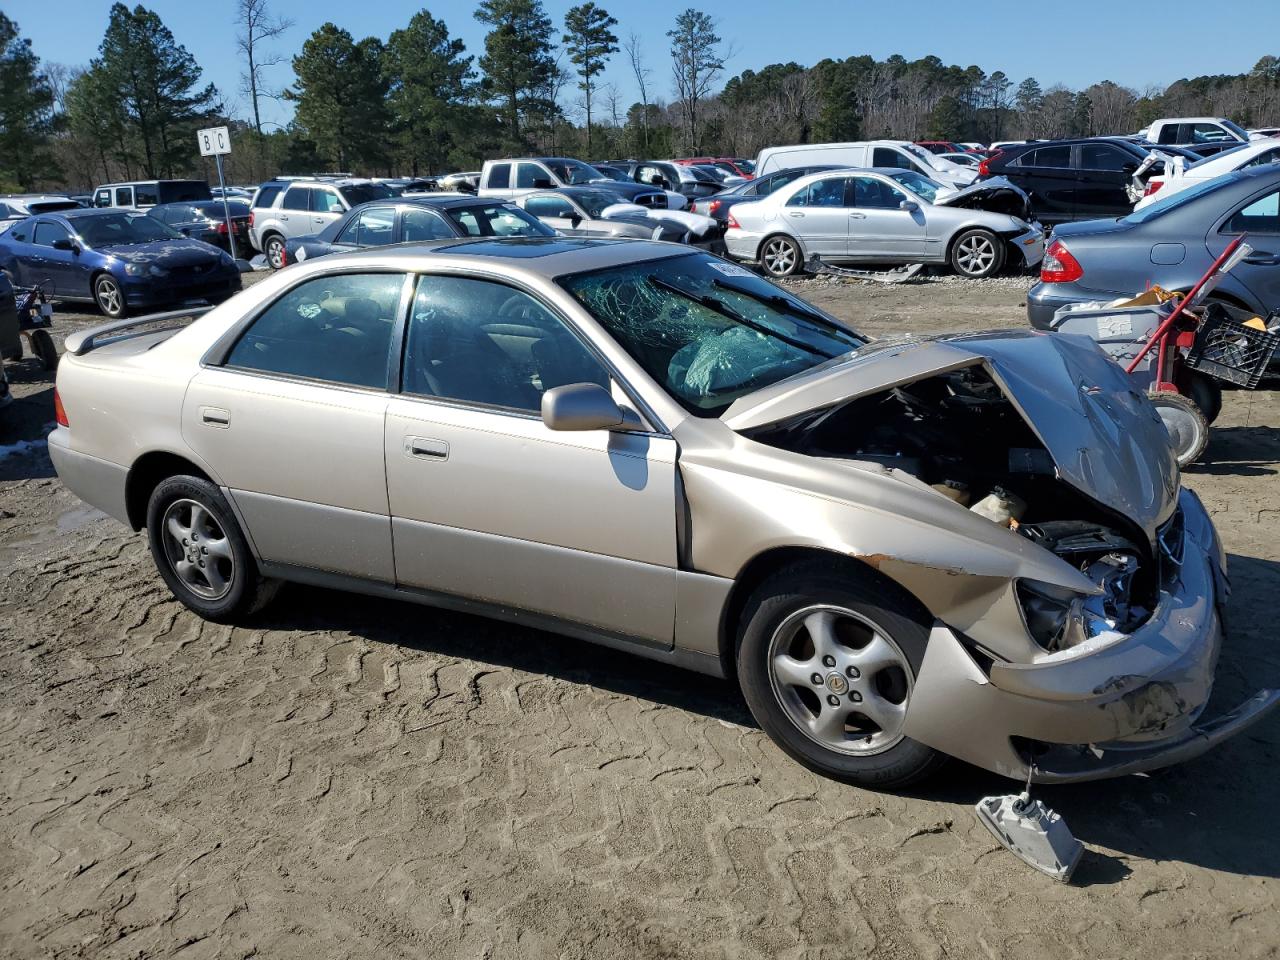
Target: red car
{"x":734,"y":165}
{"x":942,"y":146}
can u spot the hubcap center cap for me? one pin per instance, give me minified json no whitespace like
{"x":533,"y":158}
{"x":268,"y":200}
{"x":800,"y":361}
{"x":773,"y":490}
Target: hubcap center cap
{"x":193,"y":554}
{"x":837,"y":684}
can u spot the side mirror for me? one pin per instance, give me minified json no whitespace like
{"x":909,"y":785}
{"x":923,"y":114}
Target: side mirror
{"x":580,"y":406}
{"x":574,"y":220}
{"x":542,"y":183}
{"x":64,"y":244}
{"x":909,"y":205}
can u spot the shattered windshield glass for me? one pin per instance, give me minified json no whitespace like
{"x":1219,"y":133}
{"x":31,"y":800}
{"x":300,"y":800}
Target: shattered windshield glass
{"x":708,"y":331}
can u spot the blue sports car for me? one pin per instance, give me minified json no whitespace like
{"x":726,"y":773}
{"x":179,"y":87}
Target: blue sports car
{"x":122,"y":260}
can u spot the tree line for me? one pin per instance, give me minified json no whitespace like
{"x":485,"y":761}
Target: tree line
{"x":417,"y":102}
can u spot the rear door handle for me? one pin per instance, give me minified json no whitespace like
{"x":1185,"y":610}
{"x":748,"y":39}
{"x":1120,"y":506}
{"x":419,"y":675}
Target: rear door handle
{"x":426,"y":449}
{"x":215,"y":416}
{"x":857,"y":216}
{"x":1260,"y":258}
{"x":798,"y":216}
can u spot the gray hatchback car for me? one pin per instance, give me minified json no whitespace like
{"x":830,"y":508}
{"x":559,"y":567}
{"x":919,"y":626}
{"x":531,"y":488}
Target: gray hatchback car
{"x":901,"y":550}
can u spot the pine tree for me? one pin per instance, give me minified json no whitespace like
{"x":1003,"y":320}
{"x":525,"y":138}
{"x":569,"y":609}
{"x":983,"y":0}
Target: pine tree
{"x":428,"y":78}
{"x":26,"y":112}
{"x":590,"y":41}
{"x":518,"y":63}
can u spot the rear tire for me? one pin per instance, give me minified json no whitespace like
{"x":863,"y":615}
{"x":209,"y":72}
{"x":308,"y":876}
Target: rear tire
{"x":1188,"y":429}
{"x":274,"y":248}
{"x":42,"y":346}
{"x":780,"y":256}
{"x":977,"y":254}
{"x":201,"y":553}
{"x":1205,"y":391}
{"x":863,"y":640}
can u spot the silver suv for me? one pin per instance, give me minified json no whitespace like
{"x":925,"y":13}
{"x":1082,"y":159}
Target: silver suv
{"x":284,"y":209}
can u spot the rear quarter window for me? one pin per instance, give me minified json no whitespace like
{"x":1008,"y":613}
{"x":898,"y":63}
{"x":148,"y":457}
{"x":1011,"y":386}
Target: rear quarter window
{"x":266,"y":196}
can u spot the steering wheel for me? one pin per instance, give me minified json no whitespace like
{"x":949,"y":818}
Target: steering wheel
{"x":519,"y":307}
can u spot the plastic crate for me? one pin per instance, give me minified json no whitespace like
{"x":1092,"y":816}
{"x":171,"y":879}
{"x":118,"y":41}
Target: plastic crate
{"x":1230,"y":351}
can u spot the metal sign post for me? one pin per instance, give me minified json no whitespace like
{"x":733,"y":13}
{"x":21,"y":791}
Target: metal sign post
{"x":215,"y":142}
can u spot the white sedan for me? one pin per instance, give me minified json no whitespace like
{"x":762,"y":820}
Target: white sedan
{"x":1255,"y":153}
{"x":887,"y":216}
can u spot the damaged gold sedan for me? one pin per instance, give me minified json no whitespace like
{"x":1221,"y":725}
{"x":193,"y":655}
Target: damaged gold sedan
{"x":971,"y":546}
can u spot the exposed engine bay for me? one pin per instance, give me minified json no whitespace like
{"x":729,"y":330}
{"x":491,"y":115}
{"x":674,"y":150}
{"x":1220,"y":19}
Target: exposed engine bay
{"x":960,"y":434}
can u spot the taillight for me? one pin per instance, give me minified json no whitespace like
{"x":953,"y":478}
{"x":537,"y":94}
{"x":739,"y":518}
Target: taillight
{"x":732,"y":223}
{"x":984,"y":168}
{"x":251,"y":218}
{"x":59,"y":414}
{"x":713,"y":206}
{"x":222,"y":226}
{"x":1152,"y":187}
{"x":1059,"y":266}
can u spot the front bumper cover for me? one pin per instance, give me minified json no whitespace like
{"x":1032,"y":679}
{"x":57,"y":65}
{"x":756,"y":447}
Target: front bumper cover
{"x":1128,"y":706}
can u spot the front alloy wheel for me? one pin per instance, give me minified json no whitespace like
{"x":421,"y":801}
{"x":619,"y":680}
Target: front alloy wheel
{"x":780,"y":257}
{"x":977,"y":254}
{"x":109,"y":296}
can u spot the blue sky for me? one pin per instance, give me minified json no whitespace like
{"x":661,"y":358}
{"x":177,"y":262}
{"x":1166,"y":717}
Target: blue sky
{"x":1079,"y":42}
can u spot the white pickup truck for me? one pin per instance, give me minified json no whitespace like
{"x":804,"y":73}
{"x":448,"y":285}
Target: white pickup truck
{"x":1192,"y":131}
{"x":509,"y":179}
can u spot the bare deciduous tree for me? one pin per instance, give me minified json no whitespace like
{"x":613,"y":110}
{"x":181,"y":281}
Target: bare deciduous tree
{"x":257,"y":26}
{"x":696,"y":63}
{"x":642,"y":73}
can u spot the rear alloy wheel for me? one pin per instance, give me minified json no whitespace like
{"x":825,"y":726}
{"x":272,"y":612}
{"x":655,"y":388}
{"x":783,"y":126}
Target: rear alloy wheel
{"x":275,"y":251}
{"x":201,"y":552}
{"x":1186,"y":423}
{"x":109,"y":297}
{"x":827,"y":663}
{"x":780,"y":257}
{"x":977,"y":253}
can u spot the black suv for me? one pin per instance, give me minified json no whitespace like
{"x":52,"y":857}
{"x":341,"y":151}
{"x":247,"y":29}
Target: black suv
{"x":1071,"y":179}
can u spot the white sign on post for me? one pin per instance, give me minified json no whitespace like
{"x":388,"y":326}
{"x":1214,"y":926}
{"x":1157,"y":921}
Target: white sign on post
{"x":214,"y":141}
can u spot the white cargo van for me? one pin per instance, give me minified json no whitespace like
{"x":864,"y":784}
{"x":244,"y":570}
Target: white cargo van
{"x":867,"y":153}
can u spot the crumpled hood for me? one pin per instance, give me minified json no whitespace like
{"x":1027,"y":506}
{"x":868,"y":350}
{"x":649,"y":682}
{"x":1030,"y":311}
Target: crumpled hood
{"x":997,"y":194}
{"x":165,"y":253}
{"x":1105,"y":438}
{"x":695,"y":222}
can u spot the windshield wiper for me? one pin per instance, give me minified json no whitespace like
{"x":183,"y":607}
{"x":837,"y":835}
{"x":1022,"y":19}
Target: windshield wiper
{"x":777,"y":301}
{"x":722,"y":308}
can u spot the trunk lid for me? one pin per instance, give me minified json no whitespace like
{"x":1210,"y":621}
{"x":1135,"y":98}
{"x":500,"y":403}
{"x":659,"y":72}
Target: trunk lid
{"x":1105,"y":438}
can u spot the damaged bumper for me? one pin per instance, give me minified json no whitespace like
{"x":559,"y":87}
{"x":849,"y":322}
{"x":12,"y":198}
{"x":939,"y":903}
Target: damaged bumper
{"x":1093,"y":711}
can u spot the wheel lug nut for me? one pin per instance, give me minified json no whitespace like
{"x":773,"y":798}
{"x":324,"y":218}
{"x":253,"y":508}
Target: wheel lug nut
{"x":833,"y":700}
{"x":204,"y":549}
{"x":184,"y":543}
{"x":817,"y":679}
{"x":855,"y":696}
{"x":828,"y":661}
{"x":853,"y":673}
{"x":201,"y":564}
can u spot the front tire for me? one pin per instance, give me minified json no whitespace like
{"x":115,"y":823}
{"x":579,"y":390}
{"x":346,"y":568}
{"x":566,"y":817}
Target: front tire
{"x":201,"y":553}
{"x":977,"y":254}
{"x":109,"y":296}
{"x":827,"y":660}
{"x":780,"y":256}
{"x":1188,"y":429}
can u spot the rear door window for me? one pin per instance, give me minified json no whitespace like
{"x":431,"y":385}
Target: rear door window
{"x":297,"y":198}
{"x":124,"y":196}
{"x":828,"y":192}
{"x":500,"y":176}
{"x":371,"y":228}
{"x":148,"y":195}
{"x":420,"y":225}
{"x":1058,"y":157}
{"x":1261,"y":216}
{"x":332,"y":328}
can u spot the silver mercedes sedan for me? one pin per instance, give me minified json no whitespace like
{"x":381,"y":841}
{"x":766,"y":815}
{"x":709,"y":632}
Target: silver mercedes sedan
{"x":887,"y":216}
{"x":971,"y":546}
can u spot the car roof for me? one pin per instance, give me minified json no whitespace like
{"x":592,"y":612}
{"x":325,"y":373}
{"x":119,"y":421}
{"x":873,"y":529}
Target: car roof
{"x":536,"y":257}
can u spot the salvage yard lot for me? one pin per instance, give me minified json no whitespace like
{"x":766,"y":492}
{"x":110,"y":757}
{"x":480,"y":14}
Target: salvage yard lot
{"x":357,"y":778}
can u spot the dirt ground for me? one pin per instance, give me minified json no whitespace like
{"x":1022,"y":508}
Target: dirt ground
{"x":355,"y":778}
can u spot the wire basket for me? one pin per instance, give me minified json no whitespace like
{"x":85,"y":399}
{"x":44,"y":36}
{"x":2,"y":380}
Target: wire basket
{"x":1230,"y":351}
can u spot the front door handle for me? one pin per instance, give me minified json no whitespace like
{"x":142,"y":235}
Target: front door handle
{"x":857,"y":216}
{"x":798,"y":216}
{"x":426,"y":449}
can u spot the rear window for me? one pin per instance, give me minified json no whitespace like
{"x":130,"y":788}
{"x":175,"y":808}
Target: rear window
{"x":1175,"y":200}
{"x":266,"y":196}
